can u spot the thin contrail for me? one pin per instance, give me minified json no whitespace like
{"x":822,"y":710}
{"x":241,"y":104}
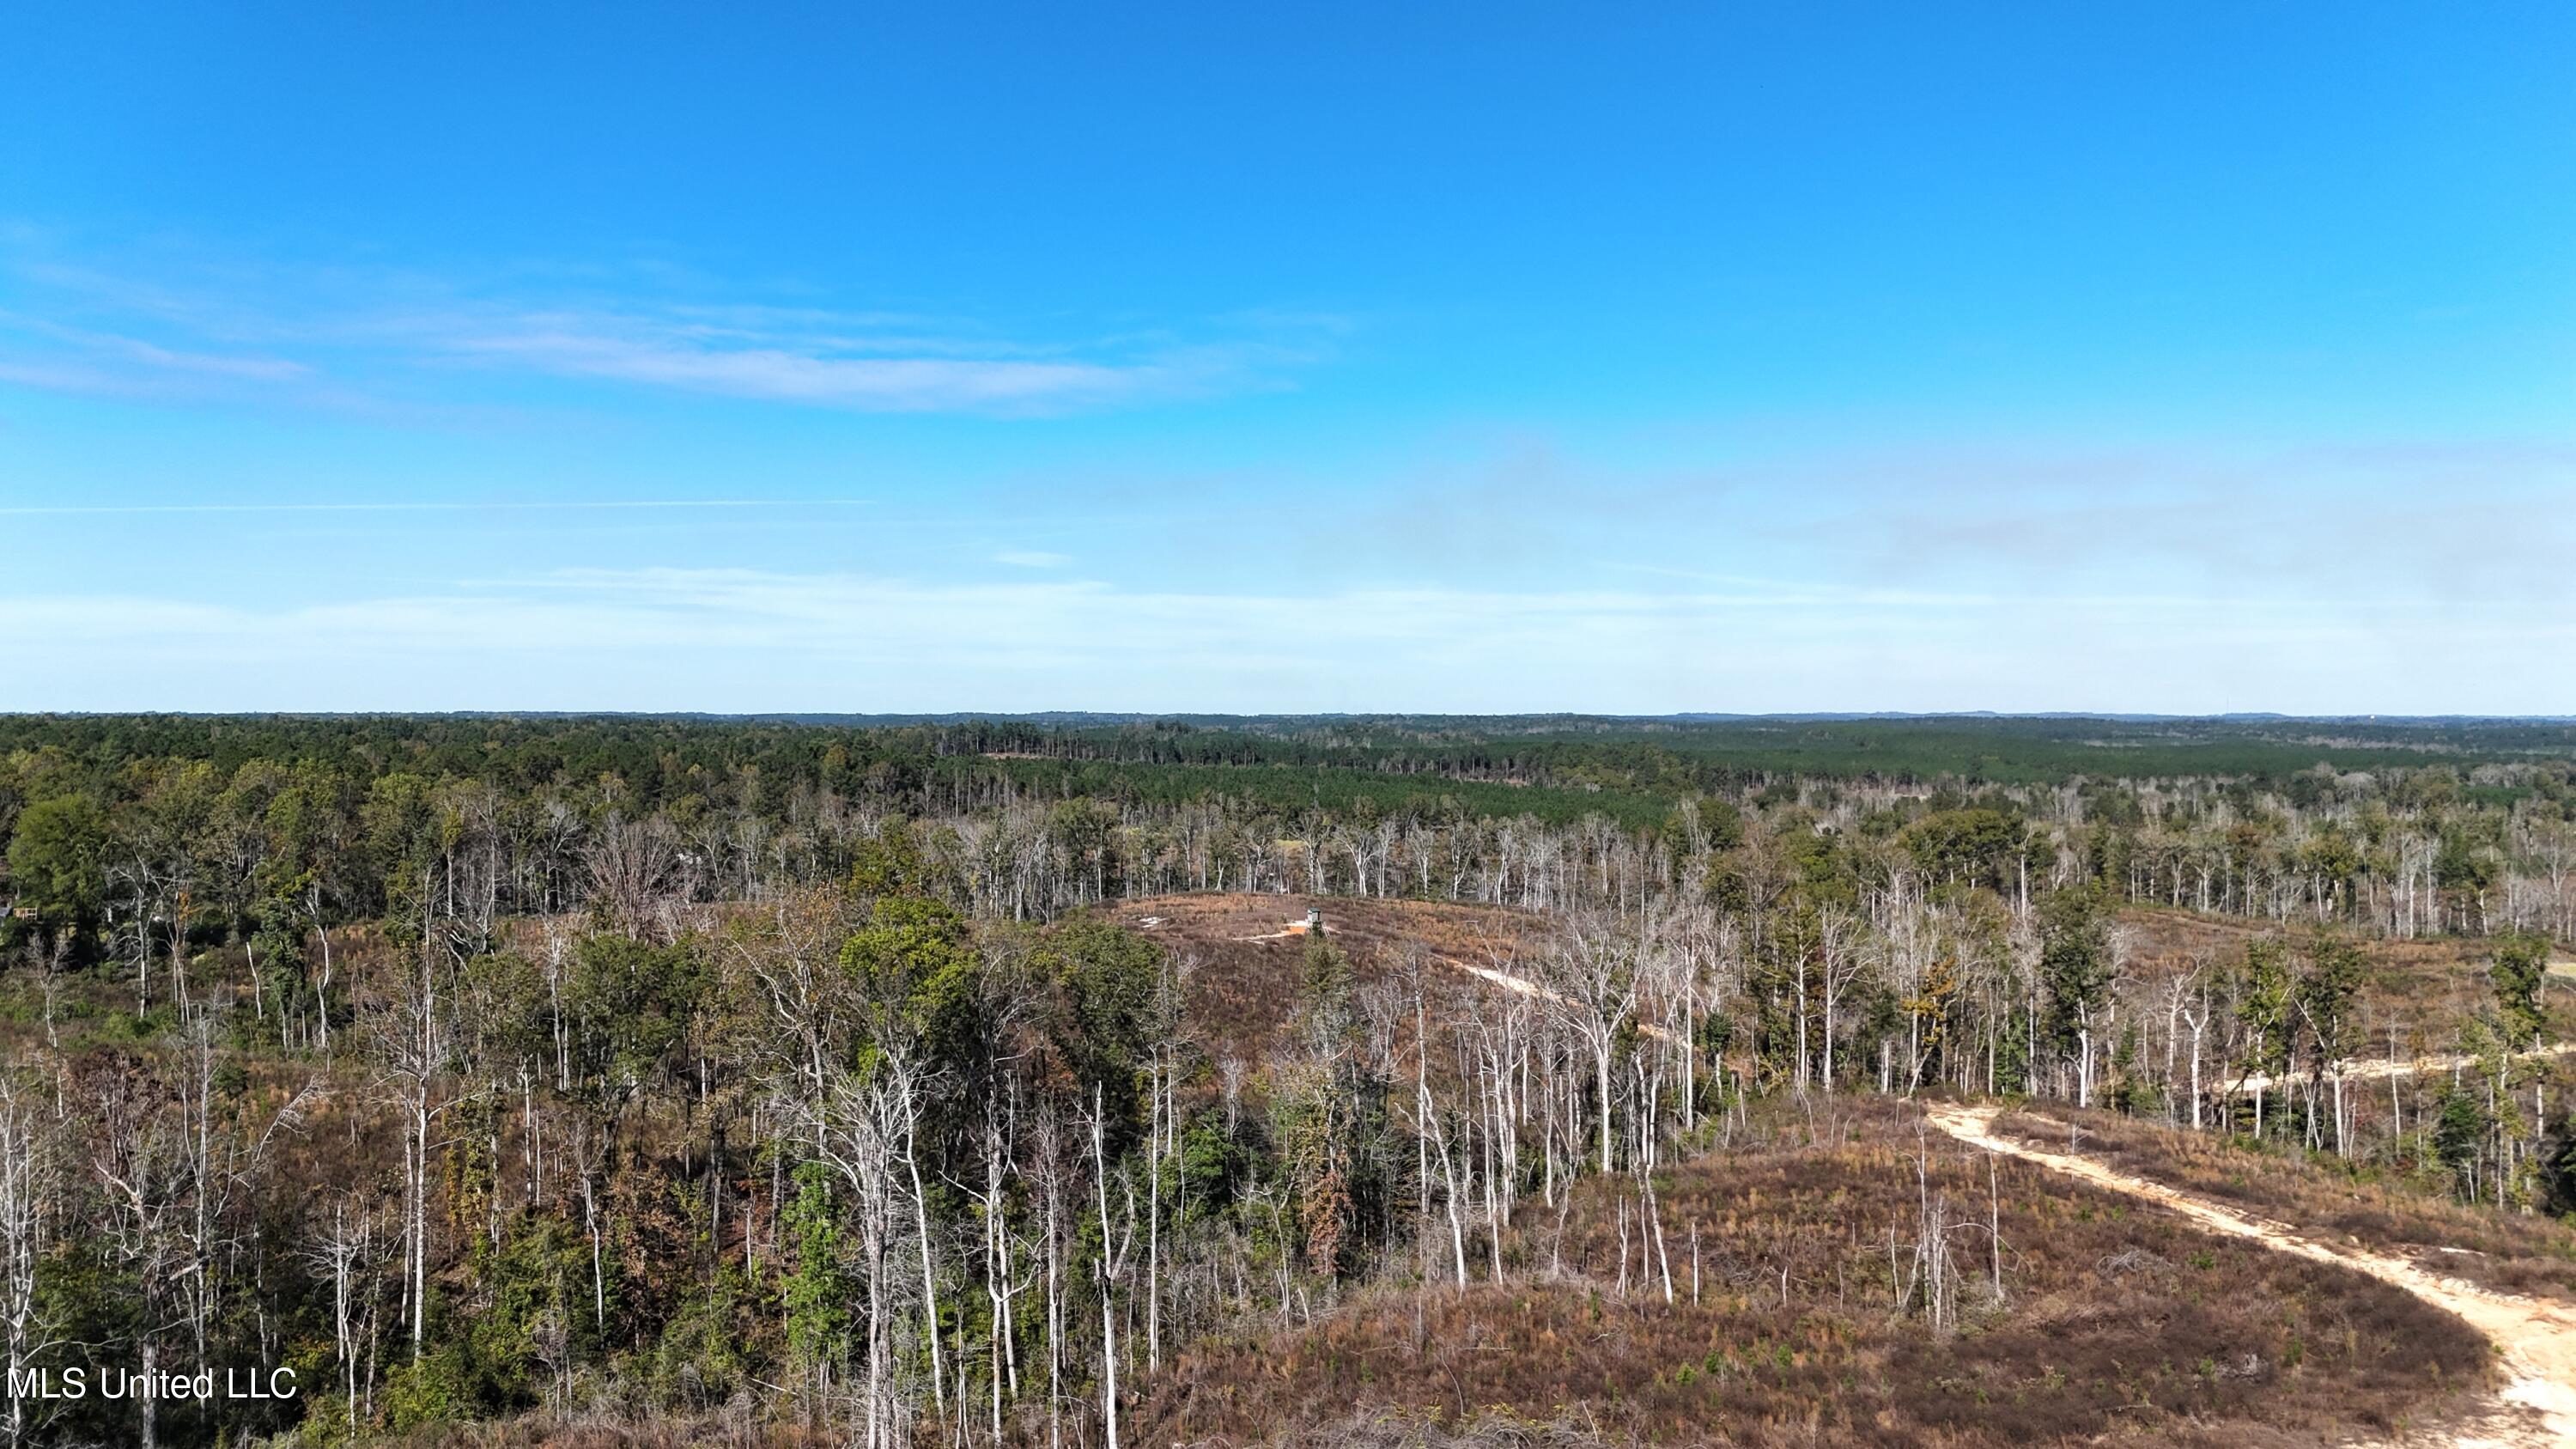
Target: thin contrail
{"x":432,"y":507}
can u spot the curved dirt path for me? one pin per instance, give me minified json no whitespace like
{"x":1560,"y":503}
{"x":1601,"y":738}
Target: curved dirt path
{"x":2537,"y":1340}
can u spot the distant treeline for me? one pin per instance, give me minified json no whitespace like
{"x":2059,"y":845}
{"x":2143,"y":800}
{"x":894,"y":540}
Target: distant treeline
{"x":658,"y":755}
{"x":123,"y":829}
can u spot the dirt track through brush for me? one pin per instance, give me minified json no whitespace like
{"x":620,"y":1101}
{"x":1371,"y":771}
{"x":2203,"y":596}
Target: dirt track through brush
{"x":2536,"y":1340}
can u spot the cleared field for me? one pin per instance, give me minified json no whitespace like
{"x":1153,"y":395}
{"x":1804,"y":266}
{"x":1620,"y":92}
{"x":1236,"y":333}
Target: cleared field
{"x":1246,"y":960}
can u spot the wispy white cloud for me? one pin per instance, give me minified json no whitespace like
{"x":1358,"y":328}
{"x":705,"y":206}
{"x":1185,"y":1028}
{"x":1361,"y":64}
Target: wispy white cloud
{"x":63,"y":358}
{"x":333,"y":334}
{"x":777,"y":374}
{"x":250,"y":368}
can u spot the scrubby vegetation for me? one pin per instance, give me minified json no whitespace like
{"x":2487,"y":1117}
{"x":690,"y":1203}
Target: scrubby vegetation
{"x":1836,"y":1277}
{"x":963,"y":1082}
{"x":2405,"y":1204}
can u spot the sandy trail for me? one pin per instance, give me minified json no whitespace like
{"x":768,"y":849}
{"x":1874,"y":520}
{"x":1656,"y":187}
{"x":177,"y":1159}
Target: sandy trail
{"x":1523,"y":986}
{"x":2380,"y":1070}
{"x":2537,"y":1340}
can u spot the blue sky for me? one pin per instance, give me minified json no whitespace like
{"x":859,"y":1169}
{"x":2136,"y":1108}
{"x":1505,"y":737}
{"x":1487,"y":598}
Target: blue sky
{"x":1322,"y":358}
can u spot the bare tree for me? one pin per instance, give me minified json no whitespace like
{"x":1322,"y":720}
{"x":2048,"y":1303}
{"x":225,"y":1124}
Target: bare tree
{"x":415,"y":1041}
{"x":1591,"y":974}
{"x":342,"y":1248}
{"x":636,"y":875}
{"x":29,"y":1166}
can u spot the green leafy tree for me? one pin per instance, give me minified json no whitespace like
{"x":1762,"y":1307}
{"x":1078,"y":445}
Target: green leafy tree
{"x":817,"y":1289}
{"x":2326,"y":994}
{"x":2325,"y":997}
{"x":2459,"y":1136}
{"x":2266,"y":996}
{"x":2075,"y":966}
{"x":1106,"y":985}
{"x":2464,"y":872}
{"x":58,"y":859}
{"x":2517,"y":971}
{"x":1976,"y":847}
{"x":631,"y":1007}
{"x":889,"y":863}
{"x":2333,"y":860}
{"x":915,"y":960}
{"x":1324,"y":981}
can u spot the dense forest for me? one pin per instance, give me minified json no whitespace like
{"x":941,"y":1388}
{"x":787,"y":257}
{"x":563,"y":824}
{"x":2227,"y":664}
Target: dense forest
{"x":785,"y":1077}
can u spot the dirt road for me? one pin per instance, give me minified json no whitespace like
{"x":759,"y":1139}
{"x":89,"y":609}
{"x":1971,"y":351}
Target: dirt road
{"x":2536,"y":1340}
{"x":2381,"y":1070}
{"x":1523,"y":986}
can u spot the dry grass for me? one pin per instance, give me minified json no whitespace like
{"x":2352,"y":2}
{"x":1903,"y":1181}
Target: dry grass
{"x":2323,"y":1196}
{"x":2115,"y":1321}
{"x":735,"y":1427}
